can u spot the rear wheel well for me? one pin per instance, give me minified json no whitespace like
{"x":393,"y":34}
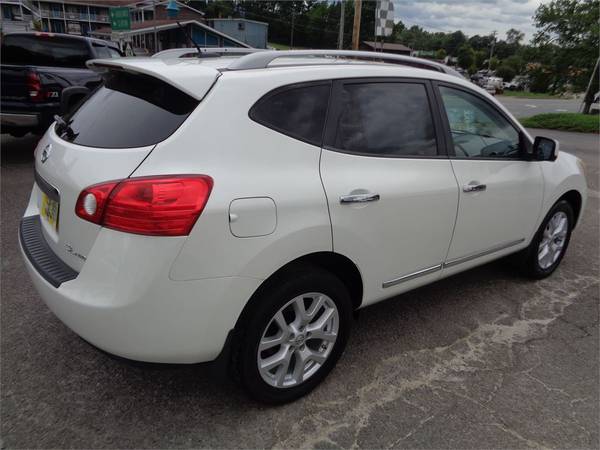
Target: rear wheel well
{"x":575,"y":200}
{"x":340,"y":266}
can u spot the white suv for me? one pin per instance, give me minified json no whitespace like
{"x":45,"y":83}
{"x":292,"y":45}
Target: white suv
{"x":241,"y":209}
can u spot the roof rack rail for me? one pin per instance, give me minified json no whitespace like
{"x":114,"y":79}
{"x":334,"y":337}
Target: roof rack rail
{"x":261,"y":60}
{"x":175,"y":53}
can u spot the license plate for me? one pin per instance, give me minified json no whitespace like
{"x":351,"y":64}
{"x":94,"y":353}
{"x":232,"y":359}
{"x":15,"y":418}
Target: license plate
{"x":49,"y":210}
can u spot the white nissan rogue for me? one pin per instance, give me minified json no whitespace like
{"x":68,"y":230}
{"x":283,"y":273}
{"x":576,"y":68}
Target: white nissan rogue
{"x":242,"y":208}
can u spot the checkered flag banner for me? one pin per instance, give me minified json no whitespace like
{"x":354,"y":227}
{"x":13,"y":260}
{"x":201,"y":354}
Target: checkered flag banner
{"x":384,"y":18}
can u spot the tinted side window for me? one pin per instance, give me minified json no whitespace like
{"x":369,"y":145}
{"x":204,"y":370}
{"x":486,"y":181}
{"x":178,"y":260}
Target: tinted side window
{"x":478,"y":129}
{"x":129,"y":110}
{"x":390,"y":119}
{"x":299,"y":112}
{"x":44,"y":51}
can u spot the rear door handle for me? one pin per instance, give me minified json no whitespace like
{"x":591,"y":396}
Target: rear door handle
{"x":473,"y":186}
{"x":359,"y":198}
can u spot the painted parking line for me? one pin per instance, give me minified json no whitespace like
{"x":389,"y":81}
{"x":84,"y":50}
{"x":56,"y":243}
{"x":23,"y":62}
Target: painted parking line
{"x":561,"y":110}
{"x":531,"y":106}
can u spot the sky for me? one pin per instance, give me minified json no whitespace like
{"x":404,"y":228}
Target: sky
{"x":471,"y":16}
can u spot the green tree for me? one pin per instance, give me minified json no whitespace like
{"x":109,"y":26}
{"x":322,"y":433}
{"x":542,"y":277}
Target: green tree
{"x":514,"y":36}
{"x":455,"y":42}
{"x":570,"y":32}
{"x":480,"y":57}
{"x":466,"y":56}
{"x":440,"y":54}
{"x":506,"y":72}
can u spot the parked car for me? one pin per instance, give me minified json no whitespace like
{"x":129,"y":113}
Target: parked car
{"x":240,"y":210}
{"x":37,"y":68}
{"x":494,"y":85}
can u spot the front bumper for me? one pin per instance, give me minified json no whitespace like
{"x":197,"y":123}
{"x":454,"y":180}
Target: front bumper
{"x":123,"y":301}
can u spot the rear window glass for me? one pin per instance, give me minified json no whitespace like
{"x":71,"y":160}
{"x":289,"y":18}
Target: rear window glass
{"x":299,"y":112}
{"x":104,"y":51}
{"x":50,"y":51}
{"x":129,"y":110}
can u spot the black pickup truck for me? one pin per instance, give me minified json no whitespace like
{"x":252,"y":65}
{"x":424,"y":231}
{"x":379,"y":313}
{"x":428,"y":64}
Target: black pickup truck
{"x":36,"y":69}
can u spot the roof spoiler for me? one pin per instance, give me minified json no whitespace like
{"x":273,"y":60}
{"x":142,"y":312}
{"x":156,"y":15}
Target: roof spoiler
{"x":195,"y":83}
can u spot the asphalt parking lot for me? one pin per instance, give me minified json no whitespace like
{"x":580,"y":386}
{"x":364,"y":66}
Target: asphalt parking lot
{"x":526,"y":107}
{"x":485,"y":359}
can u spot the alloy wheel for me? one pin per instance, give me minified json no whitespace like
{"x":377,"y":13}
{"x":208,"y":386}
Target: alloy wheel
{"x":298,"y":340}
{"x":553,"y":240}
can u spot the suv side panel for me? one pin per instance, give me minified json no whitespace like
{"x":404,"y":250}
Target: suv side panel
{"x":245,"y":160}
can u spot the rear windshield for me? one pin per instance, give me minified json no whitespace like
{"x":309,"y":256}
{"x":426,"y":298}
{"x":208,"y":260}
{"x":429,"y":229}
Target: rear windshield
{"x":128,"y":110}
{"x":53,"y":51}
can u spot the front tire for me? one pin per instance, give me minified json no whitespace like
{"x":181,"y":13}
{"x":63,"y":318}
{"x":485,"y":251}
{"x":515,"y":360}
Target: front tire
{"x":550,"y":243}
{"x":294,"y":335}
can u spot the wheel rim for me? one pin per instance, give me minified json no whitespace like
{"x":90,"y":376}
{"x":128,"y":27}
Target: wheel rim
{"x":553,"y":240}
{"x":298,"y":340}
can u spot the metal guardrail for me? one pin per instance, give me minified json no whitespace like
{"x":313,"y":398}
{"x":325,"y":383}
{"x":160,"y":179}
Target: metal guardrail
{"x":174,"y":53}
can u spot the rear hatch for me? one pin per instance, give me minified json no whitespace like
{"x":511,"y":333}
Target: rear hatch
{"x":105,"y":139}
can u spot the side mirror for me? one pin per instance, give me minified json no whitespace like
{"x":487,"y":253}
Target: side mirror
{"x":70,"y":97}
{"x":545,"y":149}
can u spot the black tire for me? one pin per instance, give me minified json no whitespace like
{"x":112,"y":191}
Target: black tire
{"x":269,"y":301}
{"x":530,"y":263}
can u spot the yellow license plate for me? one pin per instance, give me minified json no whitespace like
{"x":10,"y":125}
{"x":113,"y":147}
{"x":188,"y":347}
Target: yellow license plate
{"x":49,"y":211}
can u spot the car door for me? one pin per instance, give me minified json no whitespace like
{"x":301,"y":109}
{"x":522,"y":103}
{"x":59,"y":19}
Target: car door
{"x":501,"y":190}
{"x":390,"y":188}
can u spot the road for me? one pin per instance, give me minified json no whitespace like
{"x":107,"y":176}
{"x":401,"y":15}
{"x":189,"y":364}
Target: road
{"x":525,"y":107}
{"x":485,"y":359}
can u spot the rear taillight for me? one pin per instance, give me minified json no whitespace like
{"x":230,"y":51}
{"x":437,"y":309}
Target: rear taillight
{"x":156,"y":206}
{"x":34,"y":87}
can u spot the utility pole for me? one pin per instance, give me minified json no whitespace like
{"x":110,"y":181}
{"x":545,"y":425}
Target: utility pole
{"x":589,"y":92}
{"x":356,"y":28}
{"x":492,"y":49}
{"x":292,"y":33}
{"x":341,"y":35}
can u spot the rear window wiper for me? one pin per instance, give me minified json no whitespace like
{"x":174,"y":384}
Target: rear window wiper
{"x":64,"y":127}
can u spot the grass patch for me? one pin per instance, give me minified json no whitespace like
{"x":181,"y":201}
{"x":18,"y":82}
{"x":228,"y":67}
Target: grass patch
{"x":538,"y":95}
{"x":584,"y":123}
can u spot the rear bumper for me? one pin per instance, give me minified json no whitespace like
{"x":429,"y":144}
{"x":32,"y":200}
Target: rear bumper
{"x":19,"y":120}
{"x":34,"y":116}
{"x":123,"y":301}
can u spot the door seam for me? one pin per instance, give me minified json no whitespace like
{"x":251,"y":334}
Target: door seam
{"x":457,"y":211}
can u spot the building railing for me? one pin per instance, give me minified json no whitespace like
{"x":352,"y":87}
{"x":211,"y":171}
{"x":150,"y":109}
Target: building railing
{"x":75,"y":16}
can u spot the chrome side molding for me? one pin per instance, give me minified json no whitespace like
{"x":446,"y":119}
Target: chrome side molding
{"x":494,"y":249}
{"x":452,"y":262}
{"x":411,"y":276}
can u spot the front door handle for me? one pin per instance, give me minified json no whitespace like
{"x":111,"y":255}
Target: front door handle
{"x":474,"y":186}
{"x":359,"y":198}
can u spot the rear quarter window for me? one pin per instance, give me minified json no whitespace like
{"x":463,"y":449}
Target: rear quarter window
{"x":127,"y":111}
{"x":44,"y":50}
{"x":298,"y":111}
